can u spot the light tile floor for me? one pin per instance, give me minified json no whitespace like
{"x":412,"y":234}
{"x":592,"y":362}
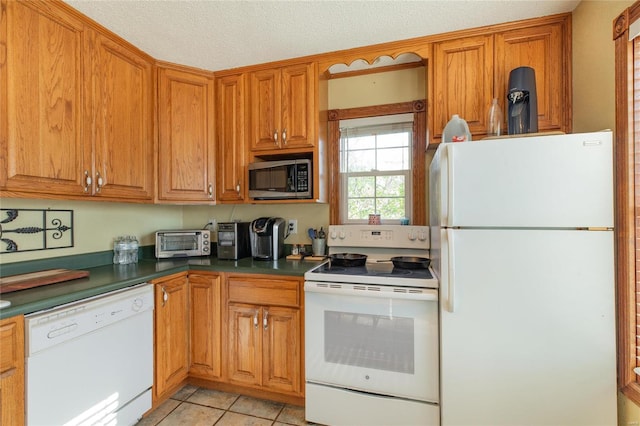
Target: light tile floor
{"x":194,"y":406}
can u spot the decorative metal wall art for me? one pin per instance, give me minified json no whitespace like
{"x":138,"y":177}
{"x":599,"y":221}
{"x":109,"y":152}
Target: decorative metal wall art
{"x":35,"y":229}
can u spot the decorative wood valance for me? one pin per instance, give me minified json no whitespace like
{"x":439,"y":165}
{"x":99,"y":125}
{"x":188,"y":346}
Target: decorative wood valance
{"x":376,"y":110}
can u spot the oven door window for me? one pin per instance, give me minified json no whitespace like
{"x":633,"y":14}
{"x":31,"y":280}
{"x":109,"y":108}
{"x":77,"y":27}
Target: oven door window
{"x":379,"y":345}
{"x":380,"y":342}
{"x":180,"y":242}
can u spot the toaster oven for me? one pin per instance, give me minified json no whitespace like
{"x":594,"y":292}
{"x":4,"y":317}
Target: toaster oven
{"x":183,"y":243}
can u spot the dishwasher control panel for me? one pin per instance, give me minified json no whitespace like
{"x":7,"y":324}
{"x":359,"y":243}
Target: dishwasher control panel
{"x":54,"y":326}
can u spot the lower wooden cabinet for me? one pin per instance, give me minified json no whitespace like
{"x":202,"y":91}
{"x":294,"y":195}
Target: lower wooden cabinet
{"x":171,"y":333}
{"x":264,"y":339}
{"x":206,"y":333}
{"x":240,"y":331}
{"x":12,"y":371}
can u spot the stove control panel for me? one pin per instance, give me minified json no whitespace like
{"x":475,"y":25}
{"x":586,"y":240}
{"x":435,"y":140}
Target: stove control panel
{"x":387,"y":236}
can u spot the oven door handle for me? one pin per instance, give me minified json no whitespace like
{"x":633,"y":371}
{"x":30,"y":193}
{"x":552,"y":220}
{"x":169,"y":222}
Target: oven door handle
{"x":429,"y":295}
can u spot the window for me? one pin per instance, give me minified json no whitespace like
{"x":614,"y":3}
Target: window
{"x":377,"y":165}
{"x":626,"y":30}
{"x":375,"y":168}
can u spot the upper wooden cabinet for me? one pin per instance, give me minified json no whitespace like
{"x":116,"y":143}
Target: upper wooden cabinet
{"x":42,"y":144}
{"x":231,"y":124}
{"x":542,"y":49}
{"x":469,"y":72}
{"x":283,"y":108}
{"x":75,"y":108}
{"x":119,"y":106}
{"x":186,"y":147}
{"x":463,"y":81}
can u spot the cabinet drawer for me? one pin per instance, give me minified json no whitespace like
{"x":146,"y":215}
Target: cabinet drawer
{"x":264,"y":291}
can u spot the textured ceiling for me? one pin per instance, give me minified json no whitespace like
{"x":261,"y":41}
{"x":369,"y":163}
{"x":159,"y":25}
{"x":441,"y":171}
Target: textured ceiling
{"x":223,"y":34}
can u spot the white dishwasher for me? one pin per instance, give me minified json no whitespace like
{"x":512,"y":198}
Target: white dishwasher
{"x":91,"y":362}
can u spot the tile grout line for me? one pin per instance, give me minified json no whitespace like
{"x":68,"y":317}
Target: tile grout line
{"x":180,"y":402}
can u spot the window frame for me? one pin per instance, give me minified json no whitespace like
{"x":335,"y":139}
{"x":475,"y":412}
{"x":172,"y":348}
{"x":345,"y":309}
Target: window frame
{"x":418,"y":152}
{"x":627,"y":268}
{"x":403,"y":126}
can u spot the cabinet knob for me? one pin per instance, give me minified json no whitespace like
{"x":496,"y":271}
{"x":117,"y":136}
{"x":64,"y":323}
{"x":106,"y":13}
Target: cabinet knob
{"x":265,"y":324}
{"x":238,"y":187}
{"x":210,"y":190}
{"x":87,"y":181}
{"x":275,"y":137}
{"x":284,"y":136}
{"x":99,"y":182}
{"x":165,"y":296}
{"x":255,"y":319}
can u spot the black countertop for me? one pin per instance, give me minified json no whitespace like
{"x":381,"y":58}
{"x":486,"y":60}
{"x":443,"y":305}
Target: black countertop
{"x":106,"y":278}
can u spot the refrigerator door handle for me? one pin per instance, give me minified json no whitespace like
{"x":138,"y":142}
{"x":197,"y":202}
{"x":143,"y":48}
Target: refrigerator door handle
{"x":451,"y":275}
{"x":446,"y":186}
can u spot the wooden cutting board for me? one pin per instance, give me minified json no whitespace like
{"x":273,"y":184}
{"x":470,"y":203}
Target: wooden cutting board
{"x":37,"y":279}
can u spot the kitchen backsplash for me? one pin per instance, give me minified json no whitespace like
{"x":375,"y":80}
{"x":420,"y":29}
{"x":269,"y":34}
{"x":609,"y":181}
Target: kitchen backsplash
{"x":96,"y":224}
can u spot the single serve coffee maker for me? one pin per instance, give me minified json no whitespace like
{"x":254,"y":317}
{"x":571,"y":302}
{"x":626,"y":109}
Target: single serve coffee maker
{"x":523,"y":101}
{"x":267,"y":238}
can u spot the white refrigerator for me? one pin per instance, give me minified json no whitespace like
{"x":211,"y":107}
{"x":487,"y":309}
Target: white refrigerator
{"x":522,"y":243}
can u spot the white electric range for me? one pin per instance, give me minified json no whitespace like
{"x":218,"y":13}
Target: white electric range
{"x":371,"y":331}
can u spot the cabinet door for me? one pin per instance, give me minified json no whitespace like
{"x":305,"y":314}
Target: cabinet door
{"x":12,"y":371}
{"x":186,"y":145}
{"x":172,"y":338}
{"x":41,"y":143}
{"x":281,"y":348}
{"x":540,"y":48}
{"x":120,"y":105}
{"x":244,"y":356}
{"x":298,"y":106}
{"x":265,"y":110}
{"x":230,"y":127}
{"x":463,"y":82}
{"x":205,"y":325}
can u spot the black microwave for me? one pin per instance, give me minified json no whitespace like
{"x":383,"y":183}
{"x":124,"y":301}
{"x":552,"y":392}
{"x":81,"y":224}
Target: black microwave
{"x":280,"y":180}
